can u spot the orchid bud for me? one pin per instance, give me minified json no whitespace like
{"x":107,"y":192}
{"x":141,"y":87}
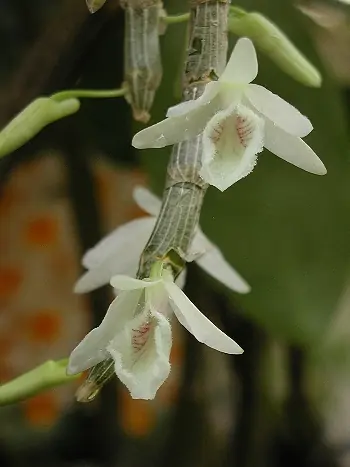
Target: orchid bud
{"x":274,"y":43}
{"x":95,"y":5}
{"x":33,"y":119}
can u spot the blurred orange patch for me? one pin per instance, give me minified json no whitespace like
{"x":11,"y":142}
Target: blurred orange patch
{"x":6,"y":344}
{"x":168,"y":393}
{"x":42,"y":231}
{"x":134,"y":211}
{"x":6,"y":372}
{"x":138,"y":177}
{"x":41,"y":410}
{"x":10,"y":280}
{"x":137,"y":416}
{"x":104,"y":181}
{"x":8,"y":198}
{"x":44,"y":326}
{"x":176,"y":353}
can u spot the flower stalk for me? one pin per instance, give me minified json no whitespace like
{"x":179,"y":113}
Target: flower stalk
{"x":48,"y":375}
{"x":90,"y":93}
{"x":184,"y":189}
{"x":45,"y":110}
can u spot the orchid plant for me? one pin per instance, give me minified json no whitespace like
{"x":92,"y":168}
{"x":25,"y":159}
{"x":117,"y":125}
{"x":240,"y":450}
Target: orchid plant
{"x":218,"y":130}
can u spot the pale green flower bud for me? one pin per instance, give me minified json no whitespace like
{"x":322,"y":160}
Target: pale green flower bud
{"x":94,"y":5}
{"x":273,"y":42}
{"x":33,"y":119}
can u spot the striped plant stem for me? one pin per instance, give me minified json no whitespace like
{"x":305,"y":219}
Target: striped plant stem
{"x":184,"y":189}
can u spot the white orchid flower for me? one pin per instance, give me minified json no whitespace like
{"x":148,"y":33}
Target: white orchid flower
{"x":136,"y":333}
{"x":237,"y":119}
{"x":120,"y":251}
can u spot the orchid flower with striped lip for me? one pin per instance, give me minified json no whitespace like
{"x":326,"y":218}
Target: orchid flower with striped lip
{"x":237,"y":119}
{"x":119,"y":252}
{"x":136,"y":332}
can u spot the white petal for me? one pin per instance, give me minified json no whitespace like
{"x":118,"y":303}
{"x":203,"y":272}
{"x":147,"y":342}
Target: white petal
{"x":122,"y":282}
{"x":214,"y":263}
{"x":101,"y":275}
{"x":118,"y":253}
{"x":210,"y":91}
{"x":92,"y":349}
{"x":175,"y":129}
{"x":231,"y":142}
{"x":278,"y":110}
{"x":141,"y":355}
{"x":181,"y":280}
{"x":119,"y":241}
{"x":157,"y":297}
{"x":292,"y":149}
{"x":146,"y":200}
{"x":198,"y":324}
{"x":242,"y":67}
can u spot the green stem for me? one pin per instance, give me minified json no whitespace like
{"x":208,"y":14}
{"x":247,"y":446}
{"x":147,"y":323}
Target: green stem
{"x":48,"y":375}
{"x":236,"y":11}
{"x":174,"y":19}
{"x":92,"y":93}
{"x":156,"y":270}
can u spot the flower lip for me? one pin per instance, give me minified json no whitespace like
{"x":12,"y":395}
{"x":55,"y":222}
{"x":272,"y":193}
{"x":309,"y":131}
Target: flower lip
{"x":231,"y":142}
{"x":141,"y":354}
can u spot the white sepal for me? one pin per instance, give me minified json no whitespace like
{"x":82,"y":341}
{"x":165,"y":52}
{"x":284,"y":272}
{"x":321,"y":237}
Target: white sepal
{"x":178,"y":128}
{"x":278,"y":110}
{"x":213,"y":262}
{"x":198,"y":324}
{"x":92,"y":349}
{"x":183,"y":108}
{"x":117,"y":253}
{"x":292,"y":149}
{"x":242,"y":67}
